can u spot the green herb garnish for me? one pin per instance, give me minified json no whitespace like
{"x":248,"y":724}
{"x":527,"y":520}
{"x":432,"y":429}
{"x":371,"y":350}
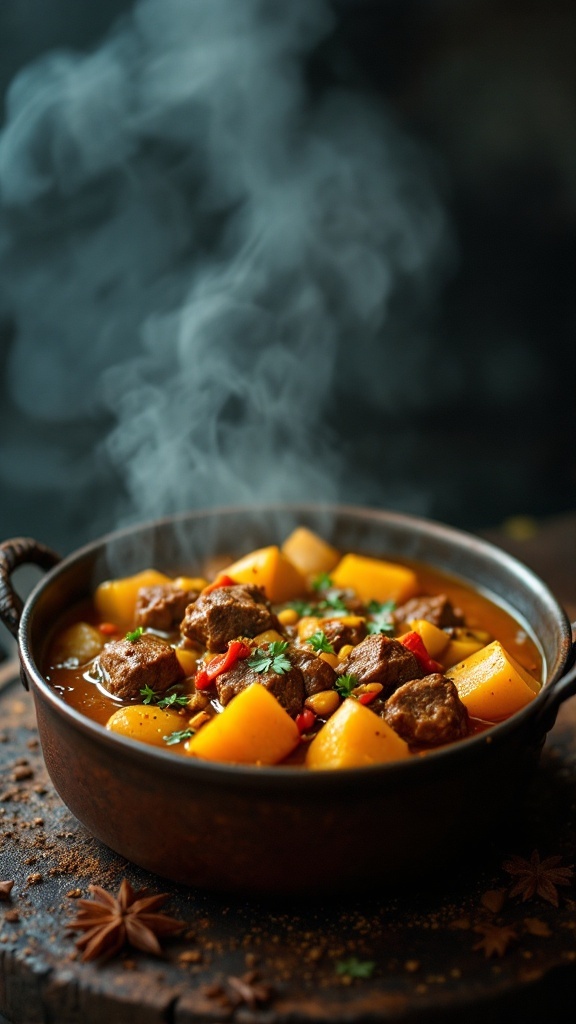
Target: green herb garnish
{"x":271,"y":658}
{"x":149,"y":696}
{"x":322,"y":582}
{"x":178,"y":737}
{"x":355,"y":968}
{"x":135,"y":634}
{"x":320,"y":643}
{"x":381,"y":617}
{"x":332,"y":602}
{"x":301,"y":608}
{"x":345,"y":684}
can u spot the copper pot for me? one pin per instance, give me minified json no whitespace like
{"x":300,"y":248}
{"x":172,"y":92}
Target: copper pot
{"x":282,"y":830}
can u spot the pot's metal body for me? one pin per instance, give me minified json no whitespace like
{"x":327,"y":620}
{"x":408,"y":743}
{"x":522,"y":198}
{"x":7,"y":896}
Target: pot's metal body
{"x":280,"y":830}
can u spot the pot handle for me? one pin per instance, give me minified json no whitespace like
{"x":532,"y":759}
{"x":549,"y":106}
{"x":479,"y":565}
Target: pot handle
{"x":13,"y":553}
{"x":560,"y":691}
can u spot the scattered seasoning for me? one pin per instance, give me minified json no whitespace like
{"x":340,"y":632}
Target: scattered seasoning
{"x":355,"y":968}
{"x":21,"y":772}
{"x":493,"y":900}
{"x":537,"y":877}
{"x":12,"y":916}
{"x":250,"y":990}
{"x":6,"y":889}
{"x":495,"y":938}
{"x":130,"y":918}
{"x":34,"y":879}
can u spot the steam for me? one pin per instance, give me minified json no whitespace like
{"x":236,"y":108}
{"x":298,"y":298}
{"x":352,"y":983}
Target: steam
{"x":200,"y":255}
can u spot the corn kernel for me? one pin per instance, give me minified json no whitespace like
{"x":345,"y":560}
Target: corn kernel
{"x":288,"y":616}
{"x":323,"y":703}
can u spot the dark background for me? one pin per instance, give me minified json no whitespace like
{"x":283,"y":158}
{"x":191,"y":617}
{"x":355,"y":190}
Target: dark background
{"x":488,"y":87}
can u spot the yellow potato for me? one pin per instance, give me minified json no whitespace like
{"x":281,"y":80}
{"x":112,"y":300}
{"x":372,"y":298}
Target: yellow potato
{"x":435,"y":639}
{"x":492,"y":684}
{"x":374,"y":579}
{"x":188,"y":658}
{"x":190,"y":583}
{"x":355,"y":736}
{"x":145,"y":723}
{"x":252,"y":729}
{"x":269,"y":568}
{"x":77,"y":645}
{"x":309,"y":553}
{"x":116,"y":599}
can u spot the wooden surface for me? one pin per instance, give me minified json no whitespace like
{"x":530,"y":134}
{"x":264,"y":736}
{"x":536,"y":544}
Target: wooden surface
{"x":429,"y":949}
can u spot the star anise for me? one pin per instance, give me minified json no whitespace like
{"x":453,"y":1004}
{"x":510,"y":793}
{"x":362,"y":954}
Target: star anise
{"x":495,"y":938}
{"x":538,"y":877}
{"x":112,"y":922}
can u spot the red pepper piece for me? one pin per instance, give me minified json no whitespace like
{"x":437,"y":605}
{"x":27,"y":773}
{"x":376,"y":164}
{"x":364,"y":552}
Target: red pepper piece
{"x":305,"y":720}
{"x":367,"y":697}
{"x":108,"y":628}
{"x":220,"y":581}
{"x":237,"y":650}
{"x":414,"y":642}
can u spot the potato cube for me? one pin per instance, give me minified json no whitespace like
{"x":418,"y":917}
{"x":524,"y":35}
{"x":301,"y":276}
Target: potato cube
{"x":252,"y":729}
{"x":145,"y":723}
{"x":310,"y":553}
{"x":355,"y":736}
{"x":492,"y":684}
{"x":374,"y":579}
{"x":116,"y":599}
{"x":269,"y":568}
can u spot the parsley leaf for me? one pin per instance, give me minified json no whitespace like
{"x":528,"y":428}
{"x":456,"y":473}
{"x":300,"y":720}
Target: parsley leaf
{"x":355,"y":968}
{"x":149,"y":696}
{"x":271,"y":658}
{"x":301,"y":608}
{"x":381,"y":620}
{"x":319,"y":642}
{"x":333,"y":601}
{"x":135,"y":634}
{"x":322,"y":582}
{"x":345,"y":684}
{"x":178,"y":737}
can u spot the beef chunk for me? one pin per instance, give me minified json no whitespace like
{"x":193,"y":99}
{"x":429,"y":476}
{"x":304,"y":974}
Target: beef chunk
{"x":317,"y":674}
{"x":340,"y":633}
{"x":287,"y":687}
{"x":162,"y":607}
{"x":378,"y":659}
{"x":225,"y":613}
{"x":127,"y":666}
{"x":436,"y":609}
{"x":427,"y":712}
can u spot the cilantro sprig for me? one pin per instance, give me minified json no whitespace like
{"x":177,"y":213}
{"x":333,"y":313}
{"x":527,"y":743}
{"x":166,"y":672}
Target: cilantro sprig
{"x":320,"y":643}
{"x":271,"y":658}
{"x":355,"y":968}
{"x":178,"y":736}
{"x":381,"y":620}
{"x":170,"y":700}
{"x":345,"y":684}
{"x":135,"y":634}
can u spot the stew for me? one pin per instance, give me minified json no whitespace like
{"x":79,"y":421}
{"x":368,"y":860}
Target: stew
{"x":296,"y":654}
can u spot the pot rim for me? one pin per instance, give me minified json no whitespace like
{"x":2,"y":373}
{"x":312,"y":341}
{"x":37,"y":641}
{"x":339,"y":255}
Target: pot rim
{"x":277,"y":776}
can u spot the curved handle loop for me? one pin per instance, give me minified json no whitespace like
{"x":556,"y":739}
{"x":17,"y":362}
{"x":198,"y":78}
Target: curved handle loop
{"x":13,"y":553}
{"x":564,"y":688}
